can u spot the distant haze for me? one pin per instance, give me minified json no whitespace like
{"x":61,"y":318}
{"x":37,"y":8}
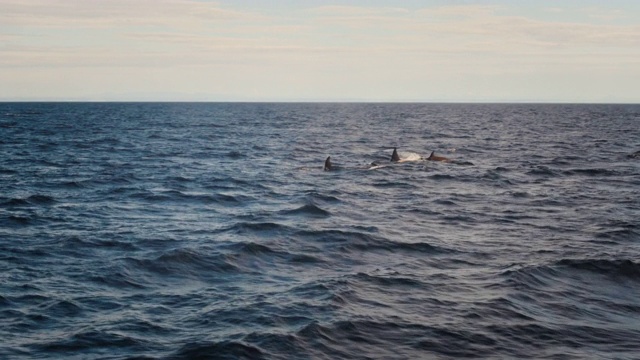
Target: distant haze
{"x":458,"y":51}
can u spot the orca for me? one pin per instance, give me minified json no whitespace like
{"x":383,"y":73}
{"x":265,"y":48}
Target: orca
{"x":394,"y":156}
{"x":635,"y":155}
{"x":434,"y":157}
{"x":327,"y":164}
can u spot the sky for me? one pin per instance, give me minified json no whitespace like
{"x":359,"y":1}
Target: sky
{"x":288,"y":50}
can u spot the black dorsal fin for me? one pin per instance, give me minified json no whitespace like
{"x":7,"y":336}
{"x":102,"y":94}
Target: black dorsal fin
{"x":327,"y":164}
{"x":394,"y":156}
{"x":431,"y":156}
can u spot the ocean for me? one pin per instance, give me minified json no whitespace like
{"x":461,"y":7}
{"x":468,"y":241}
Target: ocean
{"x":211,"y":231}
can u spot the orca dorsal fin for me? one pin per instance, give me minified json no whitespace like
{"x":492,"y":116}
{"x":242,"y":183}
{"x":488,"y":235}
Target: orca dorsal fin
{"x":431,"y":156}
{"x":394,"y":156}
{"x":327,"y":164}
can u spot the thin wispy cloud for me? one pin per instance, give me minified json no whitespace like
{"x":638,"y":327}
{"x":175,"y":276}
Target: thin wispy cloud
{"x":317,"y":44}
{"x":98,"y":14}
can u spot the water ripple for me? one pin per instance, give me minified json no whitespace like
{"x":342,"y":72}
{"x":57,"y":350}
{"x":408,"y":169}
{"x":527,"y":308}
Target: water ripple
{"x":210,"y":230}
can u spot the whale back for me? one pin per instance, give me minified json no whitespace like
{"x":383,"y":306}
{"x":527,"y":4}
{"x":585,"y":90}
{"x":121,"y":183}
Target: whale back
{"x":434,"y":157}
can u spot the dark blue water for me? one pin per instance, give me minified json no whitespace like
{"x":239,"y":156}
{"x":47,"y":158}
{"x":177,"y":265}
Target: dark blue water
{"x":210,"y":231}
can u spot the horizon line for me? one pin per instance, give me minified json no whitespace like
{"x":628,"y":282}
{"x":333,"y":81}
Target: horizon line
{"x":321,"y":101}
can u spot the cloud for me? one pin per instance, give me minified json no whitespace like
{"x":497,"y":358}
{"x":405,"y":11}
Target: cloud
{"x":328,"y":47}
{"x":460,"y":27}
{"x":603,"y":14}
{"x":355,"y":11}
{"x":117,"y":32}
{"x":466,"y":28}
{"x":103,"y":14}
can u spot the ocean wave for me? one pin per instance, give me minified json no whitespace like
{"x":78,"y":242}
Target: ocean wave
{"x":11,"y":202}
{"x":394,"y":184}
{"x":232,"y":183}
{"x":612,"y":268}
{"x":635,"y":155}
{"x":462,"y":163}
{"x":8,"y":124}
{"x":10,"y":315}
{"x":29,"y":112}
{"x":178,"y":196}
{"x":360,"y":241}
{"x":251,"y":248}
{"x":91,"y":244}
{"x":34,"y":299}
{"x":579,"y":271}
{"x":4,"y":171}
{"x":183,"y":262}
{"x":223,"y":350}
{"x":309,"y":210}
{"x":113,"y":179}
{"x":445,"y":202}
{"x":263,"y":228}
{"x":277,"y":345}
{"x":314,"y":196}
{"x":235,"y":155}
{"x":592,"y":172}
{"x":618,"y":230}
{"x":90,"y":340}
{"x":144,"y":327}
{"x":442,"y":177}
{"x":181,"y":179}
{"x":18,"y":220}
{"x":532,"y":336}
{"x":459,"y":219}
{"x":36,"y":199}
{"x":75,"y":184}
{"x":497,"y":177}
{"x":566,"y":160}
{"x":118,"y":280}
{"x":151,"y":236}
{"x":240,"y":253}
{"x":542,"y":171}
{"x":501,"y":169}
{"x":390,"y":280}
{"x":316,"y":289}
{"x":395,"y":340}
{"x":113,"y":244}
{"x":62,"y":309}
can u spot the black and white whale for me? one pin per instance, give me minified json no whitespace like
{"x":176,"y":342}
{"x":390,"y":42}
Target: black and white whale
{"x":395,"y":158}
{"x":406,"y":157}
{"x":329,"y":166}
{"x":410,"y":156}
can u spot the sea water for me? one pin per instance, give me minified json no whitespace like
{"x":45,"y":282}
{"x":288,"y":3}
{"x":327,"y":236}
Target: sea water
{"x":210,"y":230}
